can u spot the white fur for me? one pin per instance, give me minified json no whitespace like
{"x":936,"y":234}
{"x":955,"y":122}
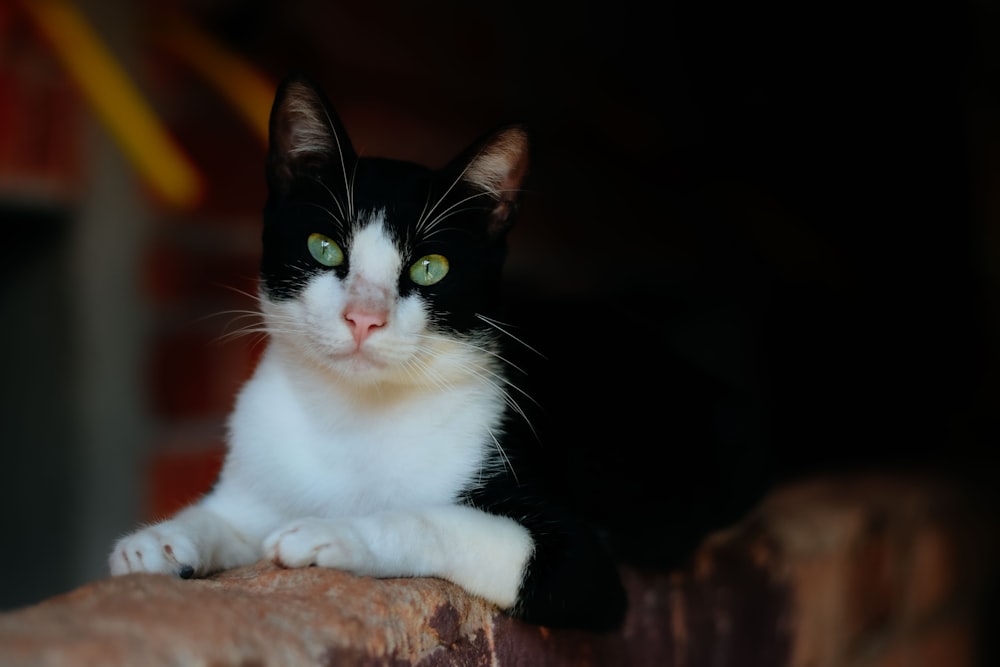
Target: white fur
{"x":352,"y":456}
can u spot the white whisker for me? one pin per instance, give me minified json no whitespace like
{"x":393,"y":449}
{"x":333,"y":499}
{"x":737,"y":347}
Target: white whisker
{"x":427,"y":225}
{"x":343,"y":162}
{"x":333,"y":216}
{"x":497,"y":325}
{"x":503,"y":456}
{"x":423,"y":219}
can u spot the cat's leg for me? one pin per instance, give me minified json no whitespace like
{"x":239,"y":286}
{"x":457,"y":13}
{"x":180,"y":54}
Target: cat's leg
{"x":198,"y":540}
{"x":571,"y":580}
{"x":483,"y":553}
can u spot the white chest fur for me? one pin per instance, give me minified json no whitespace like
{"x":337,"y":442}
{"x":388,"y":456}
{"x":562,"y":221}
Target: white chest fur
{"x":305,"y":446}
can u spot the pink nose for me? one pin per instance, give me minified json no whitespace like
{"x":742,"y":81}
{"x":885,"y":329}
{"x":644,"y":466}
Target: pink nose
{"x":364,"y":322}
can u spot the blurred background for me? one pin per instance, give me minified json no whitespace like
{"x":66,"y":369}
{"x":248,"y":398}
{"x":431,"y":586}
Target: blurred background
{"x":759,"y":242}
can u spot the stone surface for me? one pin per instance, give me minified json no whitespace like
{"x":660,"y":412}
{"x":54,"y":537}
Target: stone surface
{"x":863,"y":571}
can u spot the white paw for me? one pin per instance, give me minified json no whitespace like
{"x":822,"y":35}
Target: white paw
{"x":334,"y":544}
{"x":164,"y":548}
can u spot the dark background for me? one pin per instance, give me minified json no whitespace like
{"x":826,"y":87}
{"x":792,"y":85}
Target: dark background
{"x":793,"y":276}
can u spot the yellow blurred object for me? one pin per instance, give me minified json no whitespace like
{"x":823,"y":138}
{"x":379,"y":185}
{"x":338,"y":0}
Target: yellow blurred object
{"x":117,"y":102}
{"x":243,"y":86}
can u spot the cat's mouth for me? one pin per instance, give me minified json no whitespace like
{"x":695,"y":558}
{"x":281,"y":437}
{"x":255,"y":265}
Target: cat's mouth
{"x":347,"y":357}
{"x":361,"y":359}
{"x":360,"y":354}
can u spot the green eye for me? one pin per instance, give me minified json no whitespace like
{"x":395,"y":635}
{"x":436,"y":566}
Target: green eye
{"x":325,"y":251}
{"x":429,"y":269}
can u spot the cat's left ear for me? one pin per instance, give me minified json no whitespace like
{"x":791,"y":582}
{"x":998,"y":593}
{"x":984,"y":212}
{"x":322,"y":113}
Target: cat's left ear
{"x":304,"y":133}
{"x":498,"y":166}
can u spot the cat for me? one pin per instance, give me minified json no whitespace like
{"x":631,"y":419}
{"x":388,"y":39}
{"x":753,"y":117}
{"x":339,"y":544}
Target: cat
{"x":381,"y":432}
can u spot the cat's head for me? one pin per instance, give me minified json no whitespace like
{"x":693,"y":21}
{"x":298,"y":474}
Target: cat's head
{"x":379,"y":269}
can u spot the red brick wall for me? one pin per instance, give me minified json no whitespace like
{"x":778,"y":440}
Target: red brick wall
{"x":40,"y":118}
{"x":200,"y":276}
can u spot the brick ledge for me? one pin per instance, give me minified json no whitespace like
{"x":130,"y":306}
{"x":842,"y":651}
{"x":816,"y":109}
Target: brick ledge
{"x":868,"y":571}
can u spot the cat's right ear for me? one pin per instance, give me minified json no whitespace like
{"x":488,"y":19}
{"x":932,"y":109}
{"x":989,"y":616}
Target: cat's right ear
{"x":305,"y":134}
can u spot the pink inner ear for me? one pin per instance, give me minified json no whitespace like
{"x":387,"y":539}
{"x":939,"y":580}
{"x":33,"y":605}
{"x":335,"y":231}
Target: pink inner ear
{"x":303,"y":124}
{"x":298,"y":132}
{"x":510,"y":186}
{"x":501,"y":165}
{"x":499,"y":169}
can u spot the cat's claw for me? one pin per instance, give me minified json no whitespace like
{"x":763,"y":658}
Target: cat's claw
{"x":318,"y":542}
{"x":156,"y":549}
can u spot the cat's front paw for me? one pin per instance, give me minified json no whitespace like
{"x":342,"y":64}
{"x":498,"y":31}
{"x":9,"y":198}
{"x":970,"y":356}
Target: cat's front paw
{"x":334,"y":544}
{"x":164,"y":548}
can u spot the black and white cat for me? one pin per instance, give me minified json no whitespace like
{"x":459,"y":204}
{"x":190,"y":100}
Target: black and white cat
{"x":381,"y":432}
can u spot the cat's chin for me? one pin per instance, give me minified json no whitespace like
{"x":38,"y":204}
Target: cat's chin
{"x":359,"y":365}
{"x":364,"y":368}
